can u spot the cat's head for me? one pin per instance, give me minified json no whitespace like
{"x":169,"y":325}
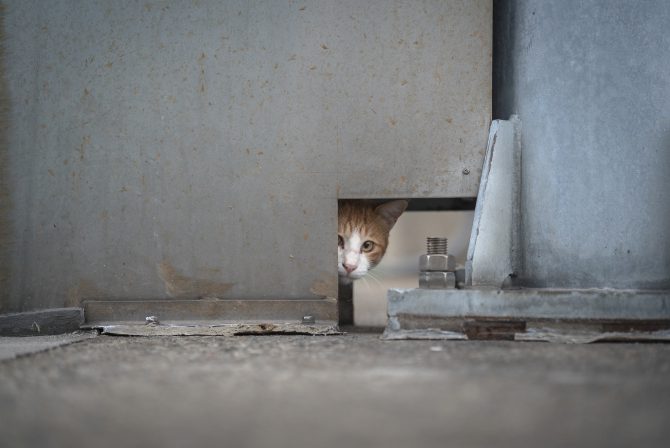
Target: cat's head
{"x":363,"y":235}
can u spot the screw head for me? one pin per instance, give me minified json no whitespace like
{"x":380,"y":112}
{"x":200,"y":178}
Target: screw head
{"x":466,"y":171}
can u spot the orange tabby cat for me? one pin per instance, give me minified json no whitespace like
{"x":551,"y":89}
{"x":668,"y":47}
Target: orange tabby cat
{"x":362,"y":235}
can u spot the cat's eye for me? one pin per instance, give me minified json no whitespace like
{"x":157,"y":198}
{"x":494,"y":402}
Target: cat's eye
{"x":340,"y":241}
{"x":367,"y":246}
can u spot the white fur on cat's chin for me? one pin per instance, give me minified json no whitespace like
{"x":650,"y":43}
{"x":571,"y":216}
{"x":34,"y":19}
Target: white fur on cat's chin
{"x":352,"y":255}
{"x":348,"y":278}
{"x":344,"y":280}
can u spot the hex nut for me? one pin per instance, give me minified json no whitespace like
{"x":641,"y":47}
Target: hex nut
{"x":437,"y":280}
{"x":437,"y":263}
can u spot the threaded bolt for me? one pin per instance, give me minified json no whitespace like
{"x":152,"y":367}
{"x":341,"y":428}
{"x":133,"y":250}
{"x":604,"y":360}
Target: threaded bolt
{"x":436,"y":246}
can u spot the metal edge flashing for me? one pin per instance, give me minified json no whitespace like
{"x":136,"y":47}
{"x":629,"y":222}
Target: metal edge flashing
{"x":41,"y":322}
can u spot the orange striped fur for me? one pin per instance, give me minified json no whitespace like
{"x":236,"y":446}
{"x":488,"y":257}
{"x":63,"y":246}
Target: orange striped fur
{"x":363,"y":231}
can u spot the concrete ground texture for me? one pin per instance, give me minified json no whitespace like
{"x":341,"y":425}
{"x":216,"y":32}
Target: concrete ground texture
{"x":353,"y":390}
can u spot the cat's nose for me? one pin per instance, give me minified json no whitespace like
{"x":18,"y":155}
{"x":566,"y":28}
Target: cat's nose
{"x":349,"y":267}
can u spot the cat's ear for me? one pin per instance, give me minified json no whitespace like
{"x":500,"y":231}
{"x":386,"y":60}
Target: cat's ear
{"x":391,"y":211}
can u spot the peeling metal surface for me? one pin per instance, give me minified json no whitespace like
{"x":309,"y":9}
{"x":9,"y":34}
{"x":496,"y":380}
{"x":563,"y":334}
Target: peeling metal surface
{"x":218,"y":329}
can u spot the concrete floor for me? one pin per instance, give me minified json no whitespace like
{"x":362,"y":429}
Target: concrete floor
{"x":346,"y":391}
{"x":12,"y":347}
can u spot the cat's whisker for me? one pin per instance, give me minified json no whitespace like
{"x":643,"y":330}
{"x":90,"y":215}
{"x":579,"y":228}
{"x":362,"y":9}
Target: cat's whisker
{"x":379,"y":273}
{"x":375,"y":279}
{"x":374,"y":275}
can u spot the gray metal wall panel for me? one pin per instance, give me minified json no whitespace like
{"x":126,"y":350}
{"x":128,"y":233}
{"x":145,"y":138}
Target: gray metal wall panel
{"x":590,"y":83}
{"x":180,"y":149}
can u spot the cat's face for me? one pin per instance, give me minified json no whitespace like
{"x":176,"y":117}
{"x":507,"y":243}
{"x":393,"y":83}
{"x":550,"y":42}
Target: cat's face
{"x":362,"y":236}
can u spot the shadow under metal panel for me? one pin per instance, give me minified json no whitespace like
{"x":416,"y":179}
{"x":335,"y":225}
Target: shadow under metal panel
{"x":208,"y":309}
{"x":211,"y":317}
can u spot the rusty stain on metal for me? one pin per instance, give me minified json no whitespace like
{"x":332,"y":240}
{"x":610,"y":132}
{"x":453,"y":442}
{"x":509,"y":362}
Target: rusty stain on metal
{"x":201,"y":81}
{"x":83,"y":289}
{"x":325,"y":287}
{"x":493,"y":329}
{"x":81,"y":149}
{"x":181,"y":286}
